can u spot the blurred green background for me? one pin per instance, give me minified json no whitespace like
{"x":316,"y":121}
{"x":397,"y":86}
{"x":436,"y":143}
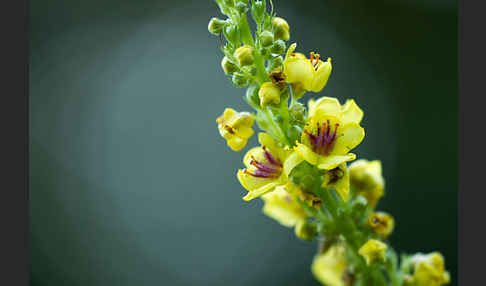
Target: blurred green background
{"x":130,"y":183}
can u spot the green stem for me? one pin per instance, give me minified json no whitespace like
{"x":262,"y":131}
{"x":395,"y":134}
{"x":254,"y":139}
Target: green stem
{"x":247,"y":39}
{"x":275,"y":126}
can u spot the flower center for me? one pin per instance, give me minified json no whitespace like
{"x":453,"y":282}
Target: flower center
{"x":314,"y":60}
{"x":324,"y":140}
{"x":271,"y":169}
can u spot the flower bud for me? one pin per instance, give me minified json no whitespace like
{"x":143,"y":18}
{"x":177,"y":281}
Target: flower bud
{"x":216,"y":25}
{"x":381,"y":223}
{"x":244,"y":55}
{"x":275,"y":63}
{"x":269,"y":94}
{"x":228,"y":67}
{"x":305,"y":230}
{"x":232,"y":34}
{"x":241,"y":7}
{"x":373,"y":251}
{"x":366,"y":178}
{"x":281,"y":28}
{"x":258,"y":10}
{"x":428,"y":269}
{"x":266,"y":38}
{"x":252,"y":95}
{"x":278,"y":47}
{"x":297,"y":111}
{"x":239,"y":80}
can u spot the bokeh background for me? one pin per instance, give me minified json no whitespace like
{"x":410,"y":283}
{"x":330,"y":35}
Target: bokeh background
{"x":130,"y":183}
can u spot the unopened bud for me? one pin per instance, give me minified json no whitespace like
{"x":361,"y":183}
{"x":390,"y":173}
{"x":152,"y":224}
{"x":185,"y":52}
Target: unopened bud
{"x":241,"y":7}
{"x":228,"y":67}
{"x":252,"y":95}
{"x":232,"y":34}
{"x":244,"y":55}
{"x":281,"y":29}
{"x":297,"y":111}
{"x":266,"y":38}
{"x":278,"y":47}
{"x":258,"y":10}
{"x":269,"y":94}
{"x":216,"y":25}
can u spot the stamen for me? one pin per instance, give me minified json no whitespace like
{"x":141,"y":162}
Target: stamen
{"x":325,"y":138}
{"x":270,"y":158}
{"x":260,"y":174}
{"x":271,"y":169}
{"x":261,"y":166}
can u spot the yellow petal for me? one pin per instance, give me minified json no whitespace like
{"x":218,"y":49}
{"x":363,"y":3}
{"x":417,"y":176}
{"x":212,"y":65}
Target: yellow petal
{"x":350,"y":135}
{"x":321,"y":76}
{"x":260,"y":192}
{"x":306,"y":153}
{"x":290,"y":50}
{"x":327,"y":106}
{"x":272,"y":145}
{"x":328,"y":267}
{"x":351,"y":113}
{"x":332,"y":161}
{"x":342,"y":185}
{"x":251,"y":183}
{"x":298,"y":70}
{"x":282,"y":207}
{"x":291,"y":162}
{"x":245,"y":132}
{"x":255,"y":152}
{"x":236,"y":143}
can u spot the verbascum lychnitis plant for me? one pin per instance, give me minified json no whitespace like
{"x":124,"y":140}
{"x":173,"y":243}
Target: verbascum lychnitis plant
{"x":304,"y":169}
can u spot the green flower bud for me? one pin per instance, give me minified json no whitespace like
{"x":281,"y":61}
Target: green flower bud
{"x":278,"y":47}
{"x":216,"y":25}
{"x":228,"y":67}
{"x":258,"y":10}
{"x":305,"y":230}
{"x":281,"y":29}
{"x":252,"y":95}
{"x":232,"y":34}
{"x":239,"y":80}
{"x":297,"y":111}
{"x":241,"y":7}
{"x":244,"y":55}
{"x":275,"y":63}
{"x":266,"y":38}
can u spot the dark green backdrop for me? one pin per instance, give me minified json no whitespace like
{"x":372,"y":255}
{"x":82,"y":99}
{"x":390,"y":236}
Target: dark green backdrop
{"x":130,"y":183}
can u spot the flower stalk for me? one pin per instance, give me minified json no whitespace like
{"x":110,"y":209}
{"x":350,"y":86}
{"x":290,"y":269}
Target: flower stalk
{"x":303,"y":169}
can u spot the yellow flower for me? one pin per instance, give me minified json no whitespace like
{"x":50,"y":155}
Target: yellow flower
{"x":308,"y":74}
{"x":366,"y":177}
{"x":381,"y":223}
{"x":329,"y":268}
{"x":429,"y":270}
{"x":283,"y":207}
{"x":269,"y":93}
{"x":235,"y":127}
{"x":373,"y":250}
{"x":338,"y":178}
{"x":267,"y":167}
{"x":330,"y":133}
